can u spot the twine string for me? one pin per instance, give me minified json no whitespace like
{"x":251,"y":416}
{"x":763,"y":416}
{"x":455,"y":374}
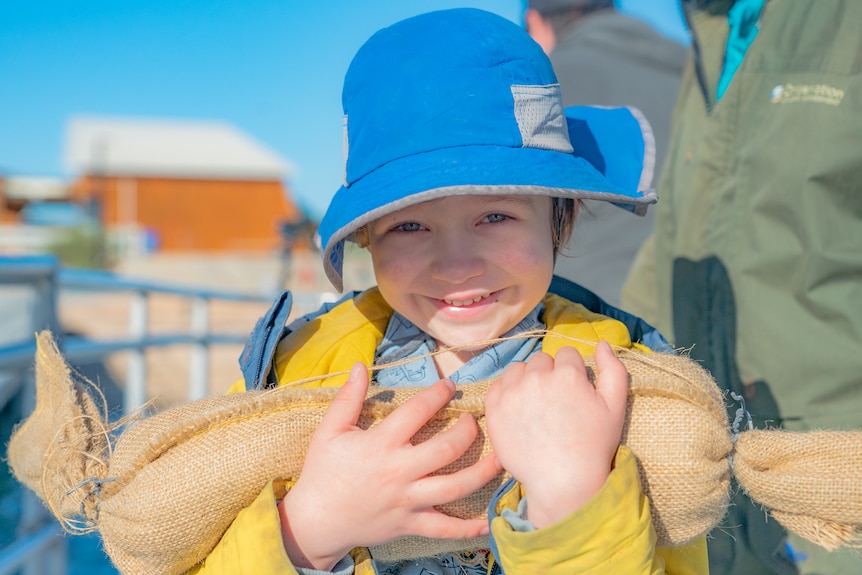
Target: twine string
{"x":95,"y":491}
{"x":741,"y":414}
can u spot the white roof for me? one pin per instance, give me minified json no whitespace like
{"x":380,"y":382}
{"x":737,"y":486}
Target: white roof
{"x":35,"y":188}
{"x":168,"y":148}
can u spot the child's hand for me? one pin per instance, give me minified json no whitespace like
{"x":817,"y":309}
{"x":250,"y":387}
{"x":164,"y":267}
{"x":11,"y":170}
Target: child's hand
{"x":368,"y":487}
{"x":555,"y":432}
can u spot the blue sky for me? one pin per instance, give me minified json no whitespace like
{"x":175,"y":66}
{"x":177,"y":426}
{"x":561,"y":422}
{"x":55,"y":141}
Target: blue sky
{"x":273,"y":68}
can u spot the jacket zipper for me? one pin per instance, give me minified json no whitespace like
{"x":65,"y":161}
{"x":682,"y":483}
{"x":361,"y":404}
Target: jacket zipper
{"x":261,"y":383}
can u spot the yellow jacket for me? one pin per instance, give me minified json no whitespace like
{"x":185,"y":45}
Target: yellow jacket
{"x":612,"y":533}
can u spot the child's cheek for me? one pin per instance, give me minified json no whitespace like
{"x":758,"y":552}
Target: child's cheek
{"x":526,"y":258}
{"x":393,"y":269}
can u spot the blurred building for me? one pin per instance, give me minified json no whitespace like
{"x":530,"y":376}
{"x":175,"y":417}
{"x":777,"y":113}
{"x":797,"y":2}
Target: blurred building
{"x":18,"y":193}
{"x":32,"y":209}
{"x":185,"y":185}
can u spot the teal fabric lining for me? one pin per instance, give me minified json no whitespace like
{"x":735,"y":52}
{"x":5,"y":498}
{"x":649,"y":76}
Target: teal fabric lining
{"x":743,"y":20}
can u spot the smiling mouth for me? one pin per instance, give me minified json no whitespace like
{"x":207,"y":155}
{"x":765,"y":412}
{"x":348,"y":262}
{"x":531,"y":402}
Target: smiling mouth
{"x":466,"y":302}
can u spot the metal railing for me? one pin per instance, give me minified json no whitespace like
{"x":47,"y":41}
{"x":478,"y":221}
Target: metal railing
{"x":40,"y":546}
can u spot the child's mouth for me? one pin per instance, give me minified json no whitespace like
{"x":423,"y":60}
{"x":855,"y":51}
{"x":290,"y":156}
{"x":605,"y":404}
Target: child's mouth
{"x":466,"y":302}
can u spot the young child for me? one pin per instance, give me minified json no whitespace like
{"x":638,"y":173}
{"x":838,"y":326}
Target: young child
{"x":462,"y":178}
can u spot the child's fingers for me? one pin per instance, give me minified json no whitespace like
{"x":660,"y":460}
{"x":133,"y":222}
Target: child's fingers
{"x":348,"y":401}
{"x":539,"y":363}
{"x":570,"y":357}
{"x":613,"y":379}
{"x":440,"y":489}
{"x":416,"y":411}
{"x":436,"y":525}
{"x":446,"y":447}
{"x":513,"y":374}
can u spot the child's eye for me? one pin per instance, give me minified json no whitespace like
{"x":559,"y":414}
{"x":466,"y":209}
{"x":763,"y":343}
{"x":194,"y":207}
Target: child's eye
{"x":493,"y":218}
{"x":408,"y":227}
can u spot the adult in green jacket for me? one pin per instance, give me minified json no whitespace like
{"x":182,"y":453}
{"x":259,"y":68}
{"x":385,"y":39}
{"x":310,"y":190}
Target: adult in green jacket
{"x":756,"y":260}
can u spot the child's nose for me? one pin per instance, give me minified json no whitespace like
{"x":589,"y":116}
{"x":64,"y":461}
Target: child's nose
{"x":456,"y":260}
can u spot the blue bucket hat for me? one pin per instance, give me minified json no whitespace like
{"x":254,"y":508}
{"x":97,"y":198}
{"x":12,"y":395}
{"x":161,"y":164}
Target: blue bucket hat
{"x":464,"y":102}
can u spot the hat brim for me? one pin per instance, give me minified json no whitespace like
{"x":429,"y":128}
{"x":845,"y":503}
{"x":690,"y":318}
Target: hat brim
{"x":490,"y":170}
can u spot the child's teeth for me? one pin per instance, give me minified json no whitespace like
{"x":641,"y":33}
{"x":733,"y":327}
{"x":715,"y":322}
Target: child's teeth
{"x":463,"y":302}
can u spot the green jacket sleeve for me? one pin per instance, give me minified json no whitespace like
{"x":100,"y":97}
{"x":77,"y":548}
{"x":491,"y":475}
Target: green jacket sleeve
{"x":612,"y":533}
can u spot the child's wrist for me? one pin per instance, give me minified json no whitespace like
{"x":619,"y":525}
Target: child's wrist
{"x":548,"y":504}
{"x":300,"y":543}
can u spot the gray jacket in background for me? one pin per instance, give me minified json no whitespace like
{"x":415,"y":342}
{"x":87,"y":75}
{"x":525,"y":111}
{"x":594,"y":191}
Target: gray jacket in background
{"x":611,"y":59}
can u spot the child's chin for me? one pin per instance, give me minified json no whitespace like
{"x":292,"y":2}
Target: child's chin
{"x":469,"y":343}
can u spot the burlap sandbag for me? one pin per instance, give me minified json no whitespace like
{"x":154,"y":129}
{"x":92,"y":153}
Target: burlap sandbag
{"x":163,"y":491}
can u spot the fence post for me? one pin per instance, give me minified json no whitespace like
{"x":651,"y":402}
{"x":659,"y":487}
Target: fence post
{"x":135,"y":394}
{"x":34,"y":516}
{"x":199,"y":354}
{"x":50,"y":554}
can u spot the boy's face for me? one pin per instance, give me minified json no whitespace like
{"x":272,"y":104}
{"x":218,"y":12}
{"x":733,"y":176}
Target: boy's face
{"x":465,"y":268}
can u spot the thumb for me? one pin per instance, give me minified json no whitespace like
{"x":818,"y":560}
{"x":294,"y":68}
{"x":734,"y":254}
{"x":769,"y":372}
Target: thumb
{"x":347,"y":404}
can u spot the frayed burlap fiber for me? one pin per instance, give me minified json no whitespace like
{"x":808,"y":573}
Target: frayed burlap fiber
{"x":64,"y":441}
{"x":162,"y":490}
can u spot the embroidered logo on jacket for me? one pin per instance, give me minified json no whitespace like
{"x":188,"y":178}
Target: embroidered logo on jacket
{"x":818,"y":93}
